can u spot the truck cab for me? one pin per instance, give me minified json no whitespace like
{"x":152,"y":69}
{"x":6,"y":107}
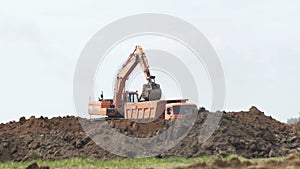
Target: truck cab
{"x":176,"y":110}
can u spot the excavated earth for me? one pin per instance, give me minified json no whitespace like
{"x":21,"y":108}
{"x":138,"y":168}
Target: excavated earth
{"x":250,"y":134}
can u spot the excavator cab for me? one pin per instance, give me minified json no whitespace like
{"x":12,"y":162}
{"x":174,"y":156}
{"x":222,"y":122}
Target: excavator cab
{"x":131,"y":97}
{"x":151,"y":91}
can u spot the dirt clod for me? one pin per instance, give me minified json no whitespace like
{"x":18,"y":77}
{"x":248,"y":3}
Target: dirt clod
{"x":33,"y":166}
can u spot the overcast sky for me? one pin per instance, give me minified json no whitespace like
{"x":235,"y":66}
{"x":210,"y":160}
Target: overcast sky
{"x":256,"y":41}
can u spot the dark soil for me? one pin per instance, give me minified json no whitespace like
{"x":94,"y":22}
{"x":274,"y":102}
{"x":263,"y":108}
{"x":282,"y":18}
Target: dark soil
{"x":250,"y":134}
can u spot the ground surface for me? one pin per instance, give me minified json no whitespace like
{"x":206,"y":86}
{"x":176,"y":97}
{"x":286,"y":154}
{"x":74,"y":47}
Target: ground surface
{"x":292,"y":161}
{"x":249,"y":134}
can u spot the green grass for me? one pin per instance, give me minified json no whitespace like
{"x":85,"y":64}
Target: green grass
{"x":114,"y":163}
{"x":117,"y":163}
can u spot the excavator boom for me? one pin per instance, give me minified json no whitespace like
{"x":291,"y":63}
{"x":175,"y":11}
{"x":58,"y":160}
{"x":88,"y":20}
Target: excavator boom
{"x":151,"y":91}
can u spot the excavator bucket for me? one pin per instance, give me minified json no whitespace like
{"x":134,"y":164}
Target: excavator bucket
{"x":151,"y":91}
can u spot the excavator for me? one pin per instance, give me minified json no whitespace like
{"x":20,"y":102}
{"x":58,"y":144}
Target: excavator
{"x":129,"y":105}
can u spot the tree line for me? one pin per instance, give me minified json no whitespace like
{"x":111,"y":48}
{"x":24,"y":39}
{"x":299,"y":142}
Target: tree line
{"x":292,"y":121}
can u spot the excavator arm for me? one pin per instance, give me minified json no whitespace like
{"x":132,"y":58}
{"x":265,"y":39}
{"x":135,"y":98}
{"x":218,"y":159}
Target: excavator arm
{"x":144,"y":63}
{"x":151,"y":91}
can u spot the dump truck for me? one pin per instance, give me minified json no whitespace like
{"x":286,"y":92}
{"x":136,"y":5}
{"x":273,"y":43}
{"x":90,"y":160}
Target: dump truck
{"x":131,"y":105}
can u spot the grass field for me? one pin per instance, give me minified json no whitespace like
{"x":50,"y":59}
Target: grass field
{"x":120,"y":163}
{"x":117,"y":163}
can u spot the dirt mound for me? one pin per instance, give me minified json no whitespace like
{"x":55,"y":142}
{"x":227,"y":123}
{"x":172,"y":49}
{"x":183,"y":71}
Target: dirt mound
{"x":258,"y":119}
{"x":250,"y":134}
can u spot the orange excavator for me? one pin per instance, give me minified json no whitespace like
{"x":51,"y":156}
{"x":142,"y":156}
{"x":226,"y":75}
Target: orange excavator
{"x":129,"y":105}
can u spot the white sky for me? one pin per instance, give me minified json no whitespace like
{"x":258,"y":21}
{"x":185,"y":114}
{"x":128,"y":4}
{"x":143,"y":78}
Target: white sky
{"x":256,"y":41}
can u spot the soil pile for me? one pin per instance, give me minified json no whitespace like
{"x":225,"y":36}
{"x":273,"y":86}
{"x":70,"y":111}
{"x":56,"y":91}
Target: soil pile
{"x":250,"y":134}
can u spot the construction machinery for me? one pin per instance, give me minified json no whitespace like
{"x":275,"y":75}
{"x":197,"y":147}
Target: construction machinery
{"x":129,"y":105}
